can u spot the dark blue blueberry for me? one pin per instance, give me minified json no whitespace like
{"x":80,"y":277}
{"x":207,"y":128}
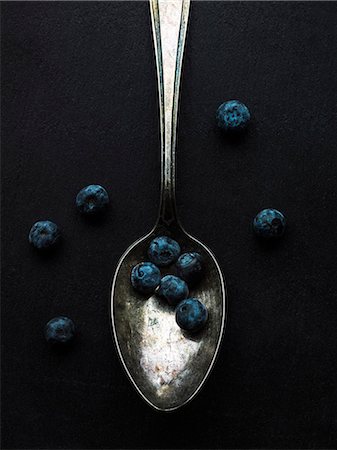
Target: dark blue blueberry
{"x":269,"y":223}
{"x":232,"y":116}
{"x":145,"y":277}
{"x":92,"y":199}
{"x":59,"y":330}
{"x":191,"y":315}
{"x":163,"y":251}
{"x":190,"y":267}
{"x":173,"y":289}
{"x":44,"y":234}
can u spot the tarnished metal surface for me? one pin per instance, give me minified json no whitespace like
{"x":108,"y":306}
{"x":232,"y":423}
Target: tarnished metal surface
{"x":166,"y":365}
{"x":169,"y":27}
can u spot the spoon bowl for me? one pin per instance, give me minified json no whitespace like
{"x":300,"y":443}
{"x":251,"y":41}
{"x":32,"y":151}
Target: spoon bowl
{"x":166,"y":365}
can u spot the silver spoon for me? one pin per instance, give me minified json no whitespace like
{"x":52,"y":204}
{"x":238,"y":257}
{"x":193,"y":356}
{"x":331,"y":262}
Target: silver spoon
{"x":166,"y":365}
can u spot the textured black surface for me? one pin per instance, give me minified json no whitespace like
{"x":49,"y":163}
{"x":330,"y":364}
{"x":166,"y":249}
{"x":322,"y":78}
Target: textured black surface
{"x":79,"y":106}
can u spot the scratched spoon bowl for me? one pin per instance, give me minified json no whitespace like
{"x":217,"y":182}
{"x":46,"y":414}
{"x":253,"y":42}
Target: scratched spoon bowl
{"x":166,"y":365}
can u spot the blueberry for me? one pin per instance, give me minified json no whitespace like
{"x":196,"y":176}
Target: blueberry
{"x":145,"y":277}
{"x":269,"y":223}
{"x":59,"y":330}
{"x":163,"y":251}
{"x":44,"y":234}
{"x":191,"y":315}
{"x":190,"y":267}
{"x":232,"y":116}
{"x":173,"y":289}
{"x":92,"y":199}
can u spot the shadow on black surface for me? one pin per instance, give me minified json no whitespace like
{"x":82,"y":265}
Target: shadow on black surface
{"x":271,"y":245}
{"x":234,"y":138}
{"x":48,"y":254}
{"x":96,"y":219}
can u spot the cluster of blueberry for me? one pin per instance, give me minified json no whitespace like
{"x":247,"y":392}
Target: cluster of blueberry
{"x":45,"y":234}
{"x":191,"y":314}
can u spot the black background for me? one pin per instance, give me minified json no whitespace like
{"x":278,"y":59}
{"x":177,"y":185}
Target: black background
{"x":79,"y":106}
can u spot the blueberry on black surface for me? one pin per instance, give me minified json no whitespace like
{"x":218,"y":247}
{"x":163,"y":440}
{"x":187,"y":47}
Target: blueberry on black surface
{"x":269,"y":223}
{"x":232,"y":116}
{"x":59,"y":330}
{"x":44,"y":234}
{"x":92,"y":199}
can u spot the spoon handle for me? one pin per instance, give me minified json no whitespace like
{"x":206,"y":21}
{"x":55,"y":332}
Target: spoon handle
{"x":169,"y":23}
